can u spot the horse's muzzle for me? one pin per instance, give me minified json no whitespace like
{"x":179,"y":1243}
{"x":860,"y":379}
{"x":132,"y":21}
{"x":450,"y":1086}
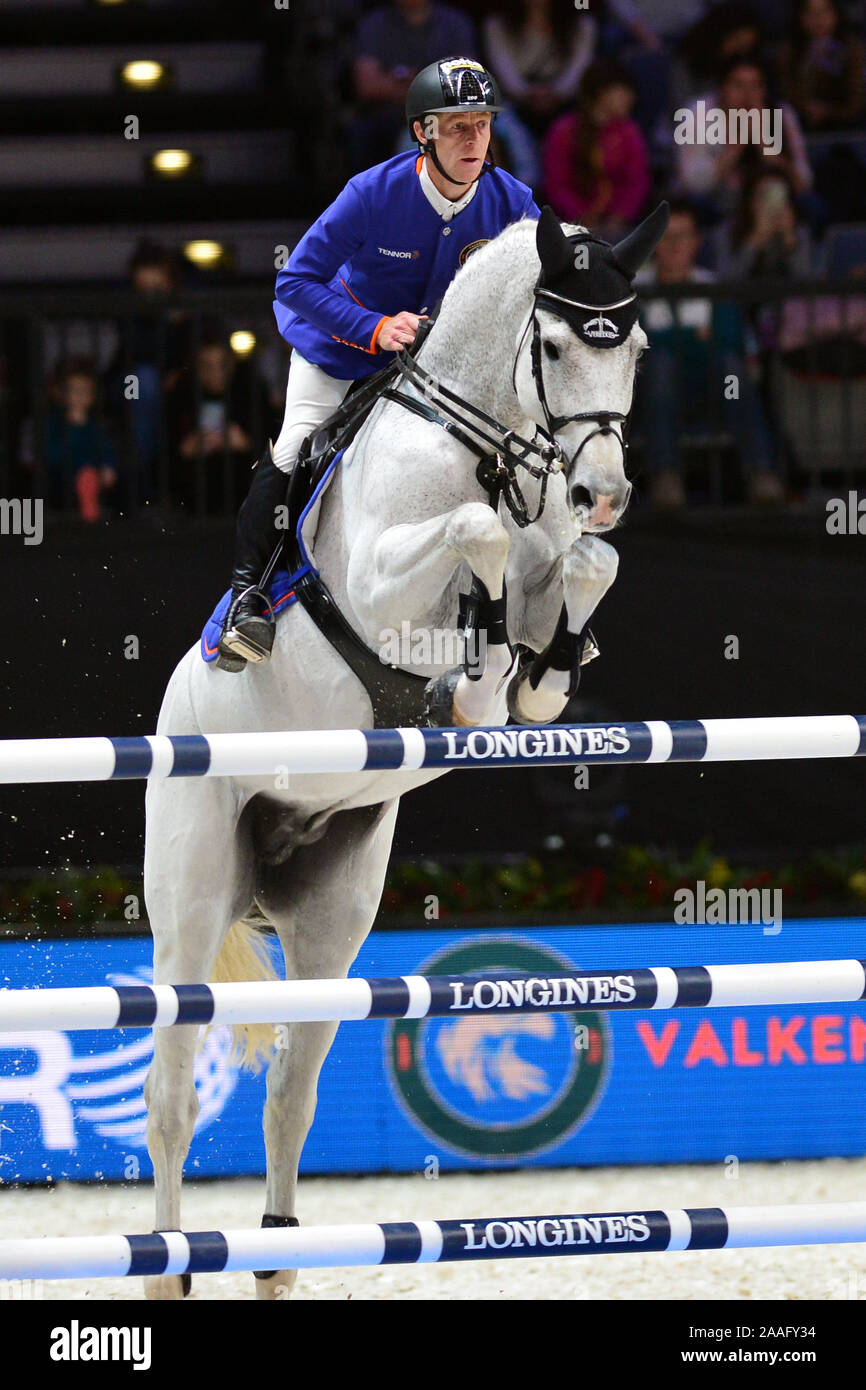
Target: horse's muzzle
{"x":600,"y":511}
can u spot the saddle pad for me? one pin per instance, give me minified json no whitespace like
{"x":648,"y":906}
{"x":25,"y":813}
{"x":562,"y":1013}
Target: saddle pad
{"x":281,"y":589}
{"x":282,"y":596}
{"x":308,"y":521}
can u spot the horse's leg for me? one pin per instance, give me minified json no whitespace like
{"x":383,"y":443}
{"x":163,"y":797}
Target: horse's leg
{"x":198,"y":881}
{"x":542,"y":688}
{"x":413,"y":566}
{"x":322,"y":904}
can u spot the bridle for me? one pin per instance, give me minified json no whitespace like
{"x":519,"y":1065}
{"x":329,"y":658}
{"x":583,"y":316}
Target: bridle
{"x":497,"y":469}
{"x":554,"y":423}
{"x":508,"y":450}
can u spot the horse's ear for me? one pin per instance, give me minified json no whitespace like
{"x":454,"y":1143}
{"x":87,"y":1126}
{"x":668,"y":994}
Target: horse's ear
{"x":635,"y":249}
{"x":553,"y":246}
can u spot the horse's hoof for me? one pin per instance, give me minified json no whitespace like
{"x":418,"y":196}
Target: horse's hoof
{"x":549,"y":704}
{"x":515,"y":685}
{"x":439,"y":709}
{"x":276,"y":1286}
{"x":166,"y":1287}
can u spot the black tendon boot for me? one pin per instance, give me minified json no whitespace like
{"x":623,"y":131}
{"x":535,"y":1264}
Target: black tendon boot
{"x":248,"y":635}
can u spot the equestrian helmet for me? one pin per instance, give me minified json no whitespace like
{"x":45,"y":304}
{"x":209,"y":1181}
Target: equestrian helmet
{"x":452,"y":84}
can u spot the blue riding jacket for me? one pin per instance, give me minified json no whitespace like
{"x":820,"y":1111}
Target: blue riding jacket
{"x":381,"y":247}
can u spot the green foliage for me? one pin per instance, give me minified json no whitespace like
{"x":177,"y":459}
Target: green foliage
{"x":624,"y":880}
{"x":78,"y":896}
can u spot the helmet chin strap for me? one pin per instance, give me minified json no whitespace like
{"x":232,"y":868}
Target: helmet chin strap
{"x":430,"y":148}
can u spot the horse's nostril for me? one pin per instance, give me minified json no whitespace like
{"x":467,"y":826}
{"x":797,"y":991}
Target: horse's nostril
{"x":581,"y":496}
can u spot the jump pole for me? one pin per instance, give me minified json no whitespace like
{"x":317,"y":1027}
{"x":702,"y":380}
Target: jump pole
{"x":435,"y":996}
{"x":433,"y":1242}
{"x":358,"y":750}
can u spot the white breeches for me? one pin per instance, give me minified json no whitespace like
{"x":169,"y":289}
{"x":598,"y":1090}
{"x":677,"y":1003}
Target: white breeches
{"x":311,"y":396}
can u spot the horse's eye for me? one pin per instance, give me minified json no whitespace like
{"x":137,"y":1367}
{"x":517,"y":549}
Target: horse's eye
{"x":551,"y":350}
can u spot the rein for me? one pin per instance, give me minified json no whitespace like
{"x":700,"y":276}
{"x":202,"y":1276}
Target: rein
{"x":497,"y":470}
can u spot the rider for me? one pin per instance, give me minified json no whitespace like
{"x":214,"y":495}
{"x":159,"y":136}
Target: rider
{"x":358,"y":284}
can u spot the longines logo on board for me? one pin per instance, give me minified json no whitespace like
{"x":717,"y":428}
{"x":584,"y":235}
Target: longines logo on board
{"x":501,"y":1085}
{"x":556,"y":742}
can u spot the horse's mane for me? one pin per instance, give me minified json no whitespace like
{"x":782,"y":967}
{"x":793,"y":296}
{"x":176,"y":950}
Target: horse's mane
{"x":490,"y":293}
{"x":515,"y":245}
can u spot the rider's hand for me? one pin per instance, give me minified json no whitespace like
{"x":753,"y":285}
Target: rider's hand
{"x":399,"y":331}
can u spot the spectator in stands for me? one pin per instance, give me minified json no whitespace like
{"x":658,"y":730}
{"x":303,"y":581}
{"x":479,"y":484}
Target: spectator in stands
{"x":822,"y":68}
{"x":539,"y":50}
{"x":825,"y":337}
{"x":642,"y":35}
{"x":713,"y":175}
{"x":212,"y":418}
{"x":696,"y":375}
{"x":392,"y":44}
{"x":152,"y":349}
{"x":730,"y":30}
{"x":595,"y":159}
{"x":514,"y":149}
{"x":80,"y":460}
{"x":764,"y":237}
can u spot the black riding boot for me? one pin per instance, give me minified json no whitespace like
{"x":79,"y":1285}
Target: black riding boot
{"x":247,"y":634}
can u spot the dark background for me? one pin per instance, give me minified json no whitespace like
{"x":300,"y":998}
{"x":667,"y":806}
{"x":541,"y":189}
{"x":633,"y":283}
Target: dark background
{"x":791,"y":593}
{"x":265,"y":101}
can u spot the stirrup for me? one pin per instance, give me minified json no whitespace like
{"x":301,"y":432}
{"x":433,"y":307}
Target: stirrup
{"x":590,"y":648}
{"x":237,"y":644}
{"x":227,"y":661}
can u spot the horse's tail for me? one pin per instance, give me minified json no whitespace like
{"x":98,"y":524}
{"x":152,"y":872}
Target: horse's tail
{"x":245,"y":956}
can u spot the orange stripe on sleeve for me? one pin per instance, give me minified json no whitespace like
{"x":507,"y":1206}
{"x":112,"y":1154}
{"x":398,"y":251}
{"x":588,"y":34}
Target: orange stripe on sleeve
{"x":354,"y":296}
{"x":375,"y":338}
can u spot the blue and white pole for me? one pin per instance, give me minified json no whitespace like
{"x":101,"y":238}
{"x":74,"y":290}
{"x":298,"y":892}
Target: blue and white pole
{"x":433,"y":1242}
{"x":436,"y":996}
{"x":358,"y":750}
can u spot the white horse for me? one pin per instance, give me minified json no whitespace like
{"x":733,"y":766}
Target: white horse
{"x":403,"y":527}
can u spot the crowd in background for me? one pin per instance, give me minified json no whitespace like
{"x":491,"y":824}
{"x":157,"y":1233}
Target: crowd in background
{"x":597,"y":99}
{"x":156,"y":408}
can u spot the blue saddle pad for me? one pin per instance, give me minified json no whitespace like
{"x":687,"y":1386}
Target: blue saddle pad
{"x":282,"y":596}
{"x":281,"y":590}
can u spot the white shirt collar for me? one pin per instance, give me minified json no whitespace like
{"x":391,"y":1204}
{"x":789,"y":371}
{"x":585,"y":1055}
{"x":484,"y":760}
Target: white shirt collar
{"x":444,"y":206}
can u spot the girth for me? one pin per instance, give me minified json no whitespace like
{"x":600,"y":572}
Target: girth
{"x":397,"y":696}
